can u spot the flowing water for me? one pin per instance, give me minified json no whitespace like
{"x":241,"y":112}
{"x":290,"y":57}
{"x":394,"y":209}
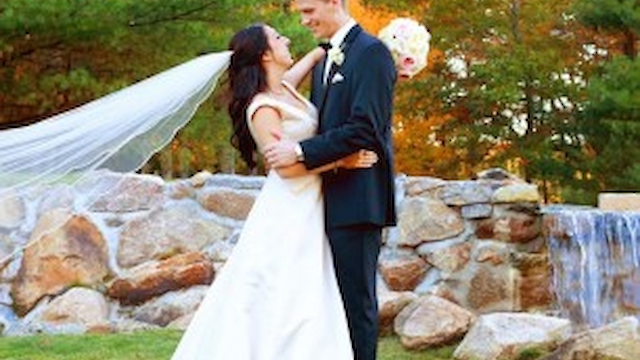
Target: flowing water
{"x":595,"y":257}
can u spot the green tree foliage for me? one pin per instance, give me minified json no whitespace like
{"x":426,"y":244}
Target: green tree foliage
{"x":508,"y":80}
{"x":58,"y":54}
{"x":611,"y":118}
{"x":536,"y":91}
{"x":621,"y":16}
{"x":514,"y":98}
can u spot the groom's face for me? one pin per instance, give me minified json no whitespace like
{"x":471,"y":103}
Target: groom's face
{"x":320,"y":16}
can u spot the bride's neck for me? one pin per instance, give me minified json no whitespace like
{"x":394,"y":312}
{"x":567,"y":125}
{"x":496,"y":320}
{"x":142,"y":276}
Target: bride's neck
{"x":274,"y":81}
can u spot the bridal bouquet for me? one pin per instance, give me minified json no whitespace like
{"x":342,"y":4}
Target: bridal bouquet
{"x":408,"y":42}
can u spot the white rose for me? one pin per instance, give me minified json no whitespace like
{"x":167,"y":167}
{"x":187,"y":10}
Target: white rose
{"x":336,"y":56}
{"x":408,"y":42}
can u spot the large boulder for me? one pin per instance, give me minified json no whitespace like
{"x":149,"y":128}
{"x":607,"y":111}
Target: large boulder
{"x":423,"y":186}
{"x":450,"y":259}
{"x":510,"y":227}
{"x":491,"y":288}
{"x":431,"y":321}
{"x":78,"y":306}
{"x":66,"y":250}
{"x":128,"y":193}
{"x":175,"y":230}
{"x":403,"y":273}
{"x":505,"y":335}
{"x":171,"y":306}
{"x":155,"y":278}
{"x":535,"y":283}
{"x":390,"y":304}
{"x":619,"y":340}
{"x":227,"y":202}
{"x":516,"y":193}
{"x":424,"y":219}
{"x":460,"y":193}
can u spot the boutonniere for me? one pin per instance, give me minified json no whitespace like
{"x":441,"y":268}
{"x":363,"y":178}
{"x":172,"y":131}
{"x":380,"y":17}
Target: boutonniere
{"x":336,"y":55}
{"x":337,"y":78}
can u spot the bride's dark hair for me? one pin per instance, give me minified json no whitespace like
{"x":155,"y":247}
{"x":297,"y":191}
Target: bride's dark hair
{"x":247,"y":77}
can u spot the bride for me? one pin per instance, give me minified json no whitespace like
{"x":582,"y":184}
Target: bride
{"x":277,"y":296}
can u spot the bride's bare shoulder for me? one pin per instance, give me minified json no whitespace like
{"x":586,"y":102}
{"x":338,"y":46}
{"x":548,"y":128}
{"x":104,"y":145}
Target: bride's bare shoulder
{"x":262,"y":101}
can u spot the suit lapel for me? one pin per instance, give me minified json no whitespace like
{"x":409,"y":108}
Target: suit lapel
{"x":346,"y":44}
{"x":317,"y":89}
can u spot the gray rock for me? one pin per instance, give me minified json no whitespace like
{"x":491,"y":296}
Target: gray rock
{"x":476,"y":211}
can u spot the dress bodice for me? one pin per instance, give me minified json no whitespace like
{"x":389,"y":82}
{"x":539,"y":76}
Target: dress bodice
{"x":297,"y":123}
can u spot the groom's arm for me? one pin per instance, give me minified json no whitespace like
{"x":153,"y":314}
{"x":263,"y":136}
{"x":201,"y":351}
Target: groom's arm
{"x":370,"y":113}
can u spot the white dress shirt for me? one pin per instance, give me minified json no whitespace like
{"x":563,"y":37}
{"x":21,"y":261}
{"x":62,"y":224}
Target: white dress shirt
{"x":335,"y":41}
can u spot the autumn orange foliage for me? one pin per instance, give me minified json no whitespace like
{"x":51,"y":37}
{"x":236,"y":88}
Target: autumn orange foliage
{"x":371,"y":19}
{"x":416,"y":151}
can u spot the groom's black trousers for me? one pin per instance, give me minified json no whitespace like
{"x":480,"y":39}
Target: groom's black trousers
{"x":355,"y":251}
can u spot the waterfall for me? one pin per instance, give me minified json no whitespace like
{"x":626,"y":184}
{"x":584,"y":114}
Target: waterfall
{"x":595,"y":257}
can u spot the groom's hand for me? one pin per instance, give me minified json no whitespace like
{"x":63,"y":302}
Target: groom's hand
{"x":281,"y":153}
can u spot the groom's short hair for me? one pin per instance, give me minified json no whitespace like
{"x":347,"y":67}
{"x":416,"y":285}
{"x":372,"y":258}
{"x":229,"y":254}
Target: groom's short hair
{"x":344,"y":4}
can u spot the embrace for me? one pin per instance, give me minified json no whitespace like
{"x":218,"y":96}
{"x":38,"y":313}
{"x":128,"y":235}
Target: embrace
{"x":301,"y":282}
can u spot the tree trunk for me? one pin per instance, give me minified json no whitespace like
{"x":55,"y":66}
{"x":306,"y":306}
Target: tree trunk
{"x":629,"y":46}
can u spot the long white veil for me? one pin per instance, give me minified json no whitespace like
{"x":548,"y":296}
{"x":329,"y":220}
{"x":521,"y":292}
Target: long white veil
{"x":118,"y":132}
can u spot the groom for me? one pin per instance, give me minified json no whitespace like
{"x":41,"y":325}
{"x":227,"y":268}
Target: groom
{"x":353,"y":91}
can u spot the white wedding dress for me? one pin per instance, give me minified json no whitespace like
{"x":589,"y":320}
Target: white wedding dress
{"x":276,"y":298}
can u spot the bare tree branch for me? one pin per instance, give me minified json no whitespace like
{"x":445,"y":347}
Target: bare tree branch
{"x":18,"y":55}
{"x":179,"y":16}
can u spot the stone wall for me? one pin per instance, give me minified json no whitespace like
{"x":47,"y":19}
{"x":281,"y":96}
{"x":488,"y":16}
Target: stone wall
{"x":144,"y":257}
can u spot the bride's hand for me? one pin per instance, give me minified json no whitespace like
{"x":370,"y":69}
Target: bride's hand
{"x":359,"y":160}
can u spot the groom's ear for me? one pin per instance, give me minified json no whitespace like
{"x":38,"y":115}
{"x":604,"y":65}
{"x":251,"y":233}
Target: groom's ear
{"x":339,"y":3}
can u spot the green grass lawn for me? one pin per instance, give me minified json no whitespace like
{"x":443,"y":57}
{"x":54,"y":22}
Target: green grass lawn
{"x":149,"y":346}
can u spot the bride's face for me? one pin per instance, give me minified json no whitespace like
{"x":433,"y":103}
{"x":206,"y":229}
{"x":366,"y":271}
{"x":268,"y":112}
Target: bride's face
{"x":278,"y":48}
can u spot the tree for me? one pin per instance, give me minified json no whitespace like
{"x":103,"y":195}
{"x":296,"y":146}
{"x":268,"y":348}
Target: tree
{"x":527,"y":86}
{"x":611,"y":117}
{"x":508,"y":76}
{"x":515,"y":97}
{"x":621,"y":16}
{"x":58,"y":54}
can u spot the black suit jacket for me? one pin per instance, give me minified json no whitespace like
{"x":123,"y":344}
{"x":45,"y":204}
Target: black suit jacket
{"x":355,"y":113}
